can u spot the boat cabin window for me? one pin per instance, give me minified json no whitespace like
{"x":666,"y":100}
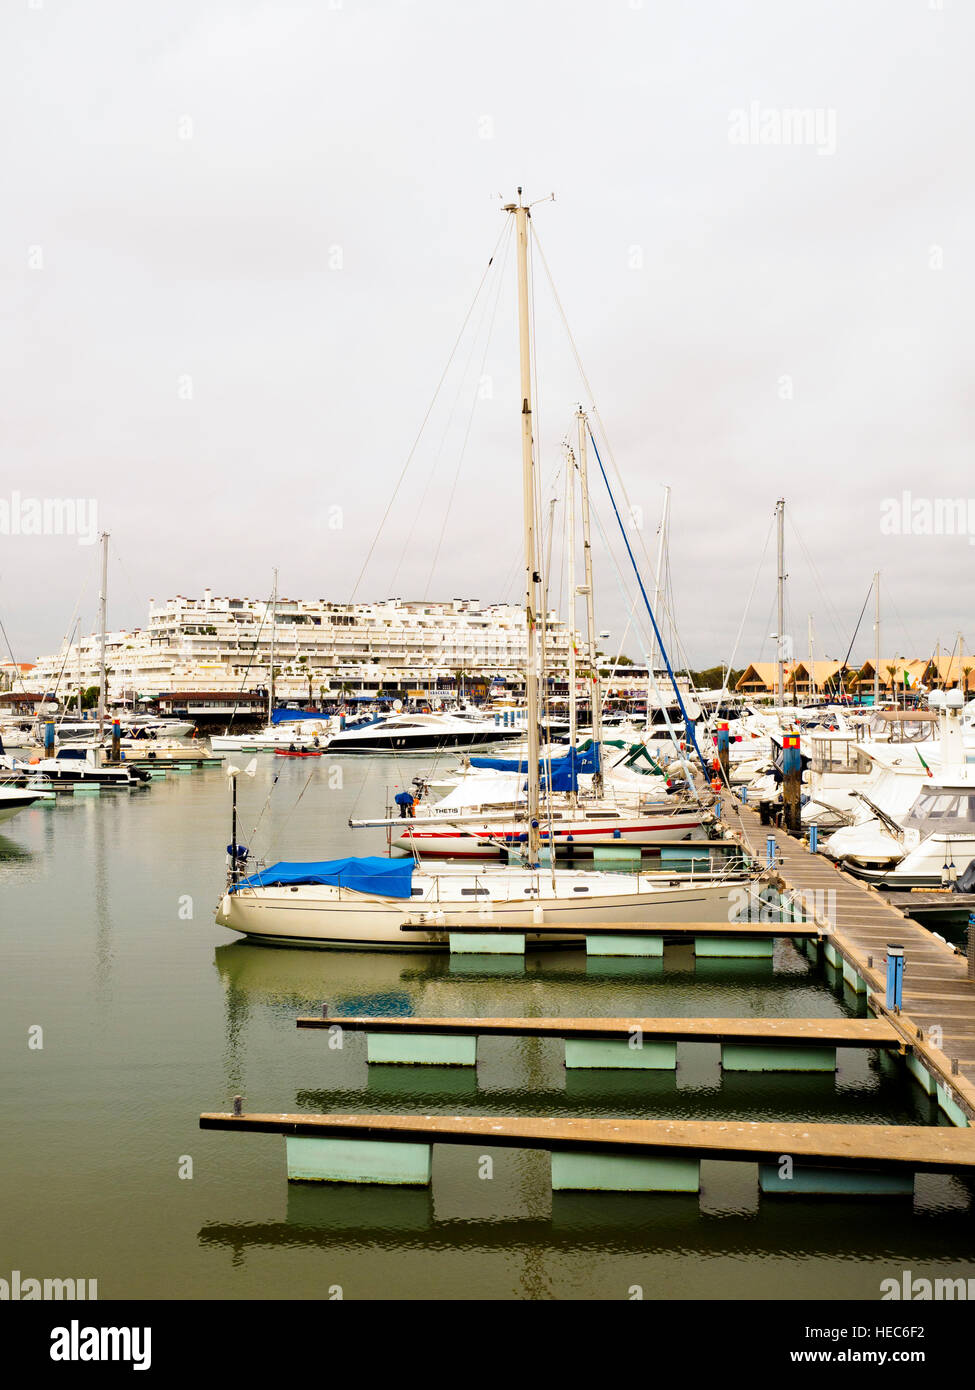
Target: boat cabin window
{"x":839,"y":756}
{"x":950,"y":811}
{"x":73,"y":754}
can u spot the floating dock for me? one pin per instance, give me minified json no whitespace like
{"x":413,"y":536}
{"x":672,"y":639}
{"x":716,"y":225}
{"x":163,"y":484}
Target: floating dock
{"x":619,"y":1155}
{"x":936,"y":1018}
{"x":723,"y":940}
{"x":647,"y":1044}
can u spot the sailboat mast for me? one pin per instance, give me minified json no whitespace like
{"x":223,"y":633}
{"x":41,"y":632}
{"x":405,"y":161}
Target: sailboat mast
{"x":876,"y":640}
{"x":102,"y":609}
{"x":779,"y":640}
{"x":274,"y":622}
{"x":597,"y":700}
{"x":532,"y":578}
{"x":570,"y":524}
{"x":658,"y":577}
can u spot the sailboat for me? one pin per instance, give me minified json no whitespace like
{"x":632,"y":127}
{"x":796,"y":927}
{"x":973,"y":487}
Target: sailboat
{"x":395,"y":903}
{"x":484,"y":815}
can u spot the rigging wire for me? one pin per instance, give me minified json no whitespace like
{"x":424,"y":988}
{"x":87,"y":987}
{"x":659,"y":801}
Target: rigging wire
{"x":470,"y":417}
{"x":426,"y":417}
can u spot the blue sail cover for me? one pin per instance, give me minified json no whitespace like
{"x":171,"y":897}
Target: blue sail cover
{"x":584,"y":759}
{"x":291,"y":716}
{"x":391,"y":878}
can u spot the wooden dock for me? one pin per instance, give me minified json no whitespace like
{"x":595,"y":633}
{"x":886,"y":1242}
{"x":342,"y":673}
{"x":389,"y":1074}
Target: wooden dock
{"x":880,"y":1148}
{"x":794,"y":1032}
{"x":857,"y":926}
{"x":676,"y":930}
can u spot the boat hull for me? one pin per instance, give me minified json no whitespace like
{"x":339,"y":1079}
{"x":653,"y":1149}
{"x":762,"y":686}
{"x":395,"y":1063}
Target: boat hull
{"x":572,"y":838}
{"x":324,"y":917}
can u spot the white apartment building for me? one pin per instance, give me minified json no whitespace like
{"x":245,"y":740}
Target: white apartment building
{"x":320,"y":648}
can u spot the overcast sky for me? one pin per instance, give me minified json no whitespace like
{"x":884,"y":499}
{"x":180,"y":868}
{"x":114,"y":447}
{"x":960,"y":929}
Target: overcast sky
{"x":239,"y":242}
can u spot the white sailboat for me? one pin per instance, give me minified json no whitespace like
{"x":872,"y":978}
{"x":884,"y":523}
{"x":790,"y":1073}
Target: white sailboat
{"x":368,"y":902}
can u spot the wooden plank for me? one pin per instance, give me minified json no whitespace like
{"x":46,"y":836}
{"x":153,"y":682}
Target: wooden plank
{"x":840,"y":1032}
{"x":928,"y":1148}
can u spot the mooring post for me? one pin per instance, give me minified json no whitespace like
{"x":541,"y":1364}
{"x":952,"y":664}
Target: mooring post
{"x":895,"y":977}
{"x":116,"y":741}
{"x":971,"y":945}
{"x":724,"y":752}
{"x":814,"y":839}
{"x":770,"y":850}
{"x":791,"y":783}
{"x":49,"y":737}
{"x":238,"y":1105}
{"x":324,"y":1011}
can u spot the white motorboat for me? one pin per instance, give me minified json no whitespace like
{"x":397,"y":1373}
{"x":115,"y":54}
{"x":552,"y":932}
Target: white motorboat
{"x":308,"y":734}
{"x":14,"y":799}
{"x":71,"y":765}
{"x":933,"y":843}
{"x":418,"y":733}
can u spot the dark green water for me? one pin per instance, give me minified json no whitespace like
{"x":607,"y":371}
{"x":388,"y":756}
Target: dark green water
{"x":151,"y":1016}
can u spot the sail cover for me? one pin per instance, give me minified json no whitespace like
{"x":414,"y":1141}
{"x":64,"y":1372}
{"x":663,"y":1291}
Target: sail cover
{"x":585,"y":760}
{"x":391,"y":878}
{"x":293,"y":716}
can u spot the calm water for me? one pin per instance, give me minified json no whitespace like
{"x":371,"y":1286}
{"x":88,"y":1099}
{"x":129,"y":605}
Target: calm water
{"x":151,"y":1015}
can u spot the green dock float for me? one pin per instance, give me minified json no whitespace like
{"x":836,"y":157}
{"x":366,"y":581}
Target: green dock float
{"x":751,"y":1057}
{"x":832,"y":954}
{"x":734,"y":948}
{"x":617,"y":1054}
{"x":951,"y":1107}
{"x":595,"y":1172}
{"x":88,"y":788}
{"x":921,"y":1074}
{"x":609,"y":945}
{"x":833,"y":1182}
{"x":853,"y":978}
{"x":621,"y":854}
{"x":358,"y":1160}
{"x":487,"y":943}
{"x":421,"y":1049}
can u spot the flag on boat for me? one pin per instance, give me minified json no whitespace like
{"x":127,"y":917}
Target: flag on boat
{"x":923,"y":763}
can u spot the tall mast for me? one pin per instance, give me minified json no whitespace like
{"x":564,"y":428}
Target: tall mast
{"x":597,"y":701}
{"x":570,"y":523}
{"x":661,"y":551}
{"x":780,"y":675}
{"x":812,"y":663}
{"x":102,"y":607}
{"x":876,"y":640}
{"x":532,"y":578}
{"x":274,"y":621}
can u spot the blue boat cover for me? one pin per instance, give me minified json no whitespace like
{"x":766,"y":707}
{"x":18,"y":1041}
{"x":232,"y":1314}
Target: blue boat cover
{"x":291,"y":716}
{"x":578,"y":759}
{"x":392,"y":878}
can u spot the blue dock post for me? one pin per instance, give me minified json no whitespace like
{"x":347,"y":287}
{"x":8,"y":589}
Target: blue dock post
{"x":770,"y":850}
{"x":49,"y":737}
{"x":744,"y":796}
{"x":895,"y":977}
{"x":971,"y":945}
{"x":723,"y":742}
{"x":814,"y":839}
